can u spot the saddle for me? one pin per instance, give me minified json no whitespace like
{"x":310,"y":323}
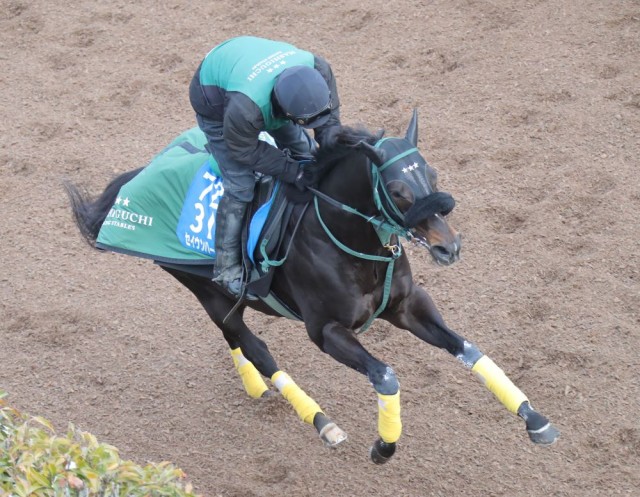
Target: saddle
{"x":263,"y":234}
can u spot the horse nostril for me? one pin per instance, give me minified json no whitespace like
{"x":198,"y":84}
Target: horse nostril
{"x":441,"y":253}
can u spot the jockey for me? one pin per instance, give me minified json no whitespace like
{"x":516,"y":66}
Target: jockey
{"x":244,"y":86}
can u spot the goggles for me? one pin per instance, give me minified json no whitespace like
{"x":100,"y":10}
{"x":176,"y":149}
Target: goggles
{"x":306,"y":120}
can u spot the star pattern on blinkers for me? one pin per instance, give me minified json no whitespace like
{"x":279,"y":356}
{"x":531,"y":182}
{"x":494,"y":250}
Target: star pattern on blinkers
{"x":410,"y":168}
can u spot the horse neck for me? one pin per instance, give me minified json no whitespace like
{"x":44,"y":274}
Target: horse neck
{"x":350,"y":184}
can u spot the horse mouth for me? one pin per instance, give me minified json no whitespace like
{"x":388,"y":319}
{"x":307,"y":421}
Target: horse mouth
{"x":442,"y":254}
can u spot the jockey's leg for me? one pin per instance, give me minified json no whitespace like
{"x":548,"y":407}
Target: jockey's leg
{"x":239,"y":183}
{"x":228,"y":243}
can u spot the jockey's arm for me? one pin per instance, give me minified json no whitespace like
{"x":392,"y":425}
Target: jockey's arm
{"x":241,"y":129}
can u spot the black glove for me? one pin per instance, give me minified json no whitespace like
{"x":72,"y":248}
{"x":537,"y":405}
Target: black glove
{"x":291,"y":169}
{"x":308,"y":175}
{"x":298,"y":192}
{"x":297,"y":177}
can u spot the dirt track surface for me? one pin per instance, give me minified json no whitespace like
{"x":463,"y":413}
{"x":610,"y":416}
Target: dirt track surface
{"x":530,"y":110}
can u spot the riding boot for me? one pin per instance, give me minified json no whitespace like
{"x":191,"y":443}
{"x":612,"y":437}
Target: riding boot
{"x":227,"y":270}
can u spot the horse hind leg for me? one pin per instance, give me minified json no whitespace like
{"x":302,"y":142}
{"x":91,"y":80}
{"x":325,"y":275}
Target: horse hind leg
{"x":308,"y":410}
{"x":238,"y":336}
{"x":540,"y":430}
{"x":330,"y":433}
{"x":252,"y":381}
{"x":253,"y":361}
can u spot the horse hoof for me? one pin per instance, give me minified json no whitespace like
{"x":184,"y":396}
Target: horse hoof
{"x":269,"y":394}
{"x":545,"y":436}
{"x":380,"y":452}
{"x":332,"y":435}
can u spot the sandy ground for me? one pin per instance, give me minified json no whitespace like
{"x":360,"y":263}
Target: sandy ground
{"x":530,"y":110}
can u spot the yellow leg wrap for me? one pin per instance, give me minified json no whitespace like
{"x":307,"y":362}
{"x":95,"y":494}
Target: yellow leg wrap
{"x":497,"y":382}
{"x":389,"y":423}
{"x":251,"y":379}
{"x":305,"y":406}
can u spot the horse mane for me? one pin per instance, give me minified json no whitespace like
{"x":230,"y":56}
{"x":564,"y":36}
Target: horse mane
{"x":341,"y":142}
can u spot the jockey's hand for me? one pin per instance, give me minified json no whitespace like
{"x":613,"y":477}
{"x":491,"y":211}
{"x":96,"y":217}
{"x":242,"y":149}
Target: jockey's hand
{"x":308,"y":175}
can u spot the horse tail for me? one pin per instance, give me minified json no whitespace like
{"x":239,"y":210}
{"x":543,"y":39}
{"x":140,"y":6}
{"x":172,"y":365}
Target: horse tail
{"x":89,"y":213}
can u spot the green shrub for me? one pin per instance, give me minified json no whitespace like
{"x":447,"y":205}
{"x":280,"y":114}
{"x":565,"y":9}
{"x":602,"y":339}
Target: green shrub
{"x":35,"y":461}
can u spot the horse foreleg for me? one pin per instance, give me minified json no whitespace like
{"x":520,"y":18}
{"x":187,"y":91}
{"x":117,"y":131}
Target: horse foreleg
{"x":540,"y":430}
{"x":341,"y":344}
{"x":418,"y":314}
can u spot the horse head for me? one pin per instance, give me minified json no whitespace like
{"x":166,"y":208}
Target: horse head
{"x":406,"y":186}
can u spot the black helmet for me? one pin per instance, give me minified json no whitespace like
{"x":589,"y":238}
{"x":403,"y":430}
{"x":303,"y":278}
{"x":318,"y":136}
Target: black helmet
{"x":303,"y":96}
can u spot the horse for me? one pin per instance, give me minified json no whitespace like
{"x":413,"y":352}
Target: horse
{"x":343,"y":266}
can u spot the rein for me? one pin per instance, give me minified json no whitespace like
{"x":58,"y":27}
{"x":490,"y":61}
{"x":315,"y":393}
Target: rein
{"x":385,"y":226}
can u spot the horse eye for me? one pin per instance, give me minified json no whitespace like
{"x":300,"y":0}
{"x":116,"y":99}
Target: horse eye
{"x":401,"y":198}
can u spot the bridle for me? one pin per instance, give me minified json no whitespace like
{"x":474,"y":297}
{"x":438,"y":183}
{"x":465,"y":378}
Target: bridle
{"x":386,"y":225}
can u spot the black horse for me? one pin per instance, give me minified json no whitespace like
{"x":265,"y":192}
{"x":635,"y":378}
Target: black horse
{"x":344,"y":267}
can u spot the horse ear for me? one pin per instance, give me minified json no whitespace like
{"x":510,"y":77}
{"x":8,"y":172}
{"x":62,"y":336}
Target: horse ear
{"x":376,"y":155}
{"x":412,"y":130}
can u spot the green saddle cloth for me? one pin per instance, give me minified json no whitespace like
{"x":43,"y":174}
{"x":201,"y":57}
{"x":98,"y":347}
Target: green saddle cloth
{"x":149,"y":209}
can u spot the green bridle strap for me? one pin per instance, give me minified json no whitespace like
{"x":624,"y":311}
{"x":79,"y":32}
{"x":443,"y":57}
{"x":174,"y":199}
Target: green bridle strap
{"x":396,"y":158}
{"x":349,"y":251}
{"x":384,"y":225}
{"x":267,"y":262}
{"x":383,"y":228}
{"x":385,"y":297}
{"x":375,"y":173}
{"x":396,"y":252}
